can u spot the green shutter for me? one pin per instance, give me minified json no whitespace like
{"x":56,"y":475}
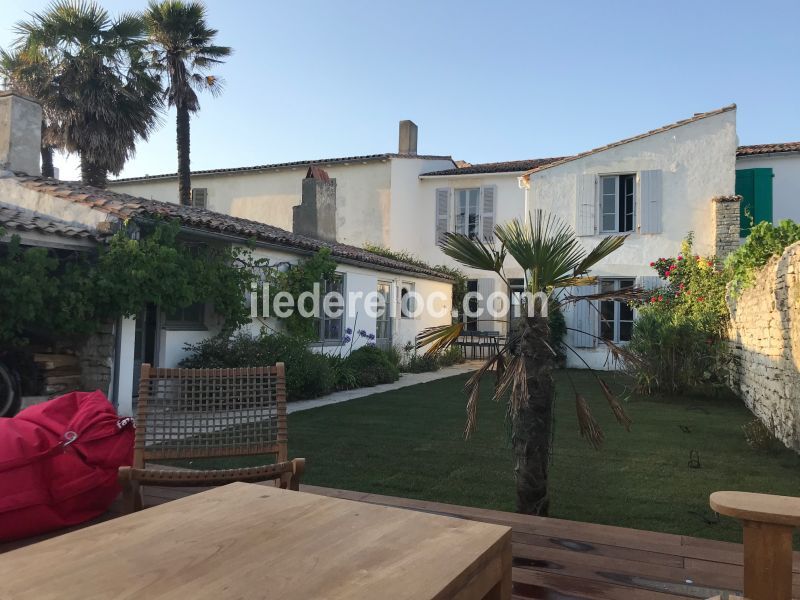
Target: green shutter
{"x":755,"y":188}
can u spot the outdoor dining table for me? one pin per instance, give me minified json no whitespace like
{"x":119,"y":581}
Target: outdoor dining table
{"x":249,"y":541}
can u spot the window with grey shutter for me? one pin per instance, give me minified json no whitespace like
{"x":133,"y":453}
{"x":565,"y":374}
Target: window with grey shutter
{"x":200,"y":197}
{"x":648,"y":282}
{"x":487,"y":213}
{"x":442,"y":213}
{"x":650,"y":194}
{"x":585,"y":204}
{"x":585,"y":314}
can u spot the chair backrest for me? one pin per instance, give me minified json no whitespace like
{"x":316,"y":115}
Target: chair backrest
{"x":206,"y":413}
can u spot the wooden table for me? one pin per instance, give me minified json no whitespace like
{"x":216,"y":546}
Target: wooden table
{"x":768,"y":523}
{"x":248,"y":541}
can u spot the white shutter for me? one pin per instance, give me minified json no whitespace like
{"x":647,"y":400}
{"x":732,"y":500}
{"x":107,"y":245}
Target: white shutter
{"x":585,"y":322}
{"x":585,"y":204}
{"x":442,"y":213}
{"x":200,"y":197}
{"x":487,"y":213}
{"x":485,"y":289}
{"x":648,"y":282}
{"x":650,"y":193}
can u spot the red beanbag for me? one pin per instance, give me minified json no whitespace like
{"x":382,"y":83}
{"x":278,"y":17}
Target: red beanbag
{"x":59,"y":462}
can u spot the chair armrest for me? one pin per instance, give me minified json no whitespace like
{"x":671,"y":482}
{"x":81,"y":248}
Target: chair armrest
{"x":761,"y":508}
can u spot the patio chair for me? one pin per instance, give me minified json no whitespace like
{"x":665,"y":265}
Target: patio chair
{"x":209,"y":413}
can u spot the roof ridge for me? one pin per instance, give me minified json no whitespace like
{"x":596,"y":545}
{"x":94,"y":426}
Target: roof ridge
{"x":290,"y":164}
{"x":635,"y":138}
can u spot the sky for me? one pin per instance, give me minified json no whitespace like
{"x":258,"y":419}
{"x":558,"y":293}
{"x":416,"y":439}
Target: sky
{"x":484,"y":81}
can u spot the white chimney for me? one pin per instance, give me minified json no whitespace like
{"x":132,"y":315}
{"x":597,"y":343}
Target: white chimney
{"x":408,"y":138}
{"x":20,"y":133}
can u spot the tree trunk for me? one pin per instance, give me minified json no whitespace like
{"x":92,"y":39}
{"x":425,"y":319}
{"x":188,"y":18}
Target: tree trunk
{"x":48,"y":170}
{"x":47,"y":155}
{"x":184,"y":173}
{"x":532,"y":428}
{"x":93,"y":174}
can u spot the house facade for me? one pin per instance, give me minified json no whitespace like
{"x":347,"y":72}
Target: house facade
{"x":89,"y":215}
{"x":768,"y":180}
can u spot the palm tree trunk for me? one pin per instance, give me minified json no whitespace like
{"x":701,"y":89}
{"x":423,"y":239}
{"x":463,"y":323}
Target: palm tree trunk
{"x":184,"y":173}
{"x":48,"y":170}
{"x":532,"y":427}
{"x":93,"y":174}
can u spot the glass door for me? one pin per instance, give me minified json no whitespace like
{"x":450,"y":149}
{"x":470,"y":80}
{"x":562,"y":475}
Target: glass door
{"x":383,"y":322}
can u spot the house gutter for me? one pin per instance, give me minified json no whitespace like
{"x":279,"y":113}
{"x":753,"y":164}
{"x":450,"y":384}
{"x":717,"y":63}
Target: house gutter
{"x":424,"y":176}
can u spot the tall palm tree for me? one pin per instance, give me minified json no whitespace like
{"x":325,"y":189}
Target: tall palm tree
{"x":554,"y":261}
{"x":183,"y":48}
{"x":32,"y":76}
{"x":103,"y":94}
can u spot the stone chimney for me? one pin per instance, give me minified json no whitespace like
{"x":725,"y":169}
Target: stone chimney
{"x":315,"y":216}
{"x":20,"y":133}
{"x":725,"y":224}
{"x":408,"y":138}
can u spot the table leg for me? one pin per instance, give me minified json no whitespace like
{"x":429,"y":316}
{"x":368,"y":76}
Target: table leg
{"x":767,"y":561}
{"x":502,"y":590}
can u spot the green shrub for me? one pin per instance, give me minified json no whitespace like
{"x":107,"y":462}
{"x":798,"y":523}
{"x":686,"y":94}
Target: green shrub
{"x":678,"y":341}
{"x":452,"y":356}
{"x":372,"y":366}
{"x":308,"y":374}
{"x":421,"y":363}
{"x":765,"y":241}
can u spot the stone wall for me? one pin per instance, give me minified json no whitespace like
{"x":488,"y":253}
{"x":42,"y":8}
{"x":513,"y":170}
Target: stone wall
{"x":725,"y":224}
{"x":765,"y":335}
{"x":97,"y":359}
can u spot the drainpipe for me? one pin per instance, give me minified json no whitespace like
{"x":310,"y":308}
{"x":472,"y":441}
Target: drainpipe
{"x":524,"y":183}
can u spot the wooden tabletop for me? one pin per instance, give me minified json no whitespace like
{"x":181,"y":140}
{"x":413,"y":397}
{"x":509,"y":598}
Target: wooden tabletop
{"x":779,"y":510}
{"x":249,"y":541}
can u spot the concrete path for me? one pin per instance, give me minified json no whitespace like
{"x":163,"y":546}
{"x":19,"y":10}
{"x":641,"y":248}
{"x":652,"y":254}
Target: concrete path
{"x":405,"y":380}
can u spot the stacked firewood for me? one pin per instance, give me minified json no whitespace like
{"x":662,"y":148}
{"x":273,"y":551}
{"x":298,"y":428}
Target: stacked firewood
{"x":61,"y":373}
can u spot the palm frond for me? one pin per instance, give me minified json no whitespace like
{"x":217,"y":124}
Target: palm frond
{"x":622,"y":418}
{"x":473,"y":252}
{"x":473,"y":390}
{"x":439,"y":337}
{"x":607,"y":246}
{"x":589,"y":427}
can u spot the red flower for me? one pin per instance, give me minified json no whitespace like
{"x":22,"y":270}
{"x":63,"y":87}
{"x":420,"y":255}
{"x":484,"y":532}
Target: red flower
{"x":681,"y":286}
{"x":710,"y":264}
{"x":660,"y":298}
{"x":680,"y":257}
{"x":653,"y":299}
{"x":699,"y":298}
{"x":652,"y":264}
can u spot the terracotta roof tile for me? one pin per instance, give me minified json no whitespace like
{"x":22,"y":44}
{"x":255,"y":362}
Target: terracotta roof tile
{"x":768,"y":149}
{"x":509,"y":166}
{"x":125,"y":206}
{"x":12,"y":217}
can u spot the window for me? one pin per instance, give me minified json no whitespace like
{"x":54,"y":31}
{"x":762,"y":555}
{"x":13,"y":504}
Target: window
{"x":200,"y":197}
{"x":517,"y":289}
{"x":617,"y":200}
{"x":468,"y":211}
{"x":383,"y":322}
{"x":407,"y":301}
{"x":616,"y":318}
{"x":331,"y":329}
{"x":191,"y":317}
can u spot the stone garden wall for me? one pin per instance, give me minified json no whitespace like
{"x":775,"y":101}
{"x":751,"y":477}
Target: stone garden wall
{"x":765,"y":335}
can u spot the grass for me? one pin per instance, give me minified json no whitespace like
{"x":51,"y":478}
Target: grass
{"x":409,"y":443}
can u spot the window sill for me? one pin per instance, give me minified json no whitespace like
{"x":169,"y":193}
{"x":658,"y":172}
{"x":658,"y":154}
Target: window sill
{"x":185,"y":327}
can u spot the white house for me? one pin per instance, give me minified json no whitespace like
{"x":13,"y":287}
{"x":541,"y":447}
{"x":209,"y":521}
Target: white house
{"x":158,"y":338}
{"x":657,"y":187}
{"x":768,"y":179}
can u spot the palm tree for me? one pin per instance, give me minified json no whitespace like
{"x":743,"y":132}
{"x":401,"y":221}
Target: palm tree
{"x":32,"y":76}
{"x":102,"y":94}
{"x":183,"y":48}
{"x":554,"y":261}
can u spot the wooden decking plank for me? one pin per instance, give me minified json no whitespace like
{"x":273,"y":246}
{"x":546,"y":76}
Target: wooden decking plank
{"x":621,"y":572}
{"x":528,"y":583}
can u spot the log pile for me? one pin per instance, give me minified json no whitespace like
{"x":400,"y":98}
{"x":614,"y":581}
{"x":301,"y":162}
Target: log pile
{"x":61,"y":372}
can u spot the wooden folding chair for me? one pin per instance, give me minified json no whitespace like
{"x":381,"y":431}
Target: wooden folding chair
{"x":209,"y":413}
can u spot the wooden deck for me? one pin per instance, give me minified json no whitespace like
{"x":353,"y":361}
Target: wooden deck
{"x":566,"y":560}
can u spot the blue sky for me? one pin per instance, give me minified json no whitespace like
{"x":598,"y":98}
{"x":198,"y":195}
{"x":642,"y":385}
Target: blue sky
{"x":484,"y":81}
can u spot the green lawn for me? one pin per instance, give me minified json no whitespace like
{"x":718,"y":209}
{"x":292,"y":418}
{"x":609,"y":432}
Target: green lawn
{"x":409,"y":443}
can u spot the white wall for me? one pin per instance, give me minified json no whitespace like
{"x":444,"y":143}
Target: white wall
{"x":785,"y":182}
{"x":366,"y":191}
